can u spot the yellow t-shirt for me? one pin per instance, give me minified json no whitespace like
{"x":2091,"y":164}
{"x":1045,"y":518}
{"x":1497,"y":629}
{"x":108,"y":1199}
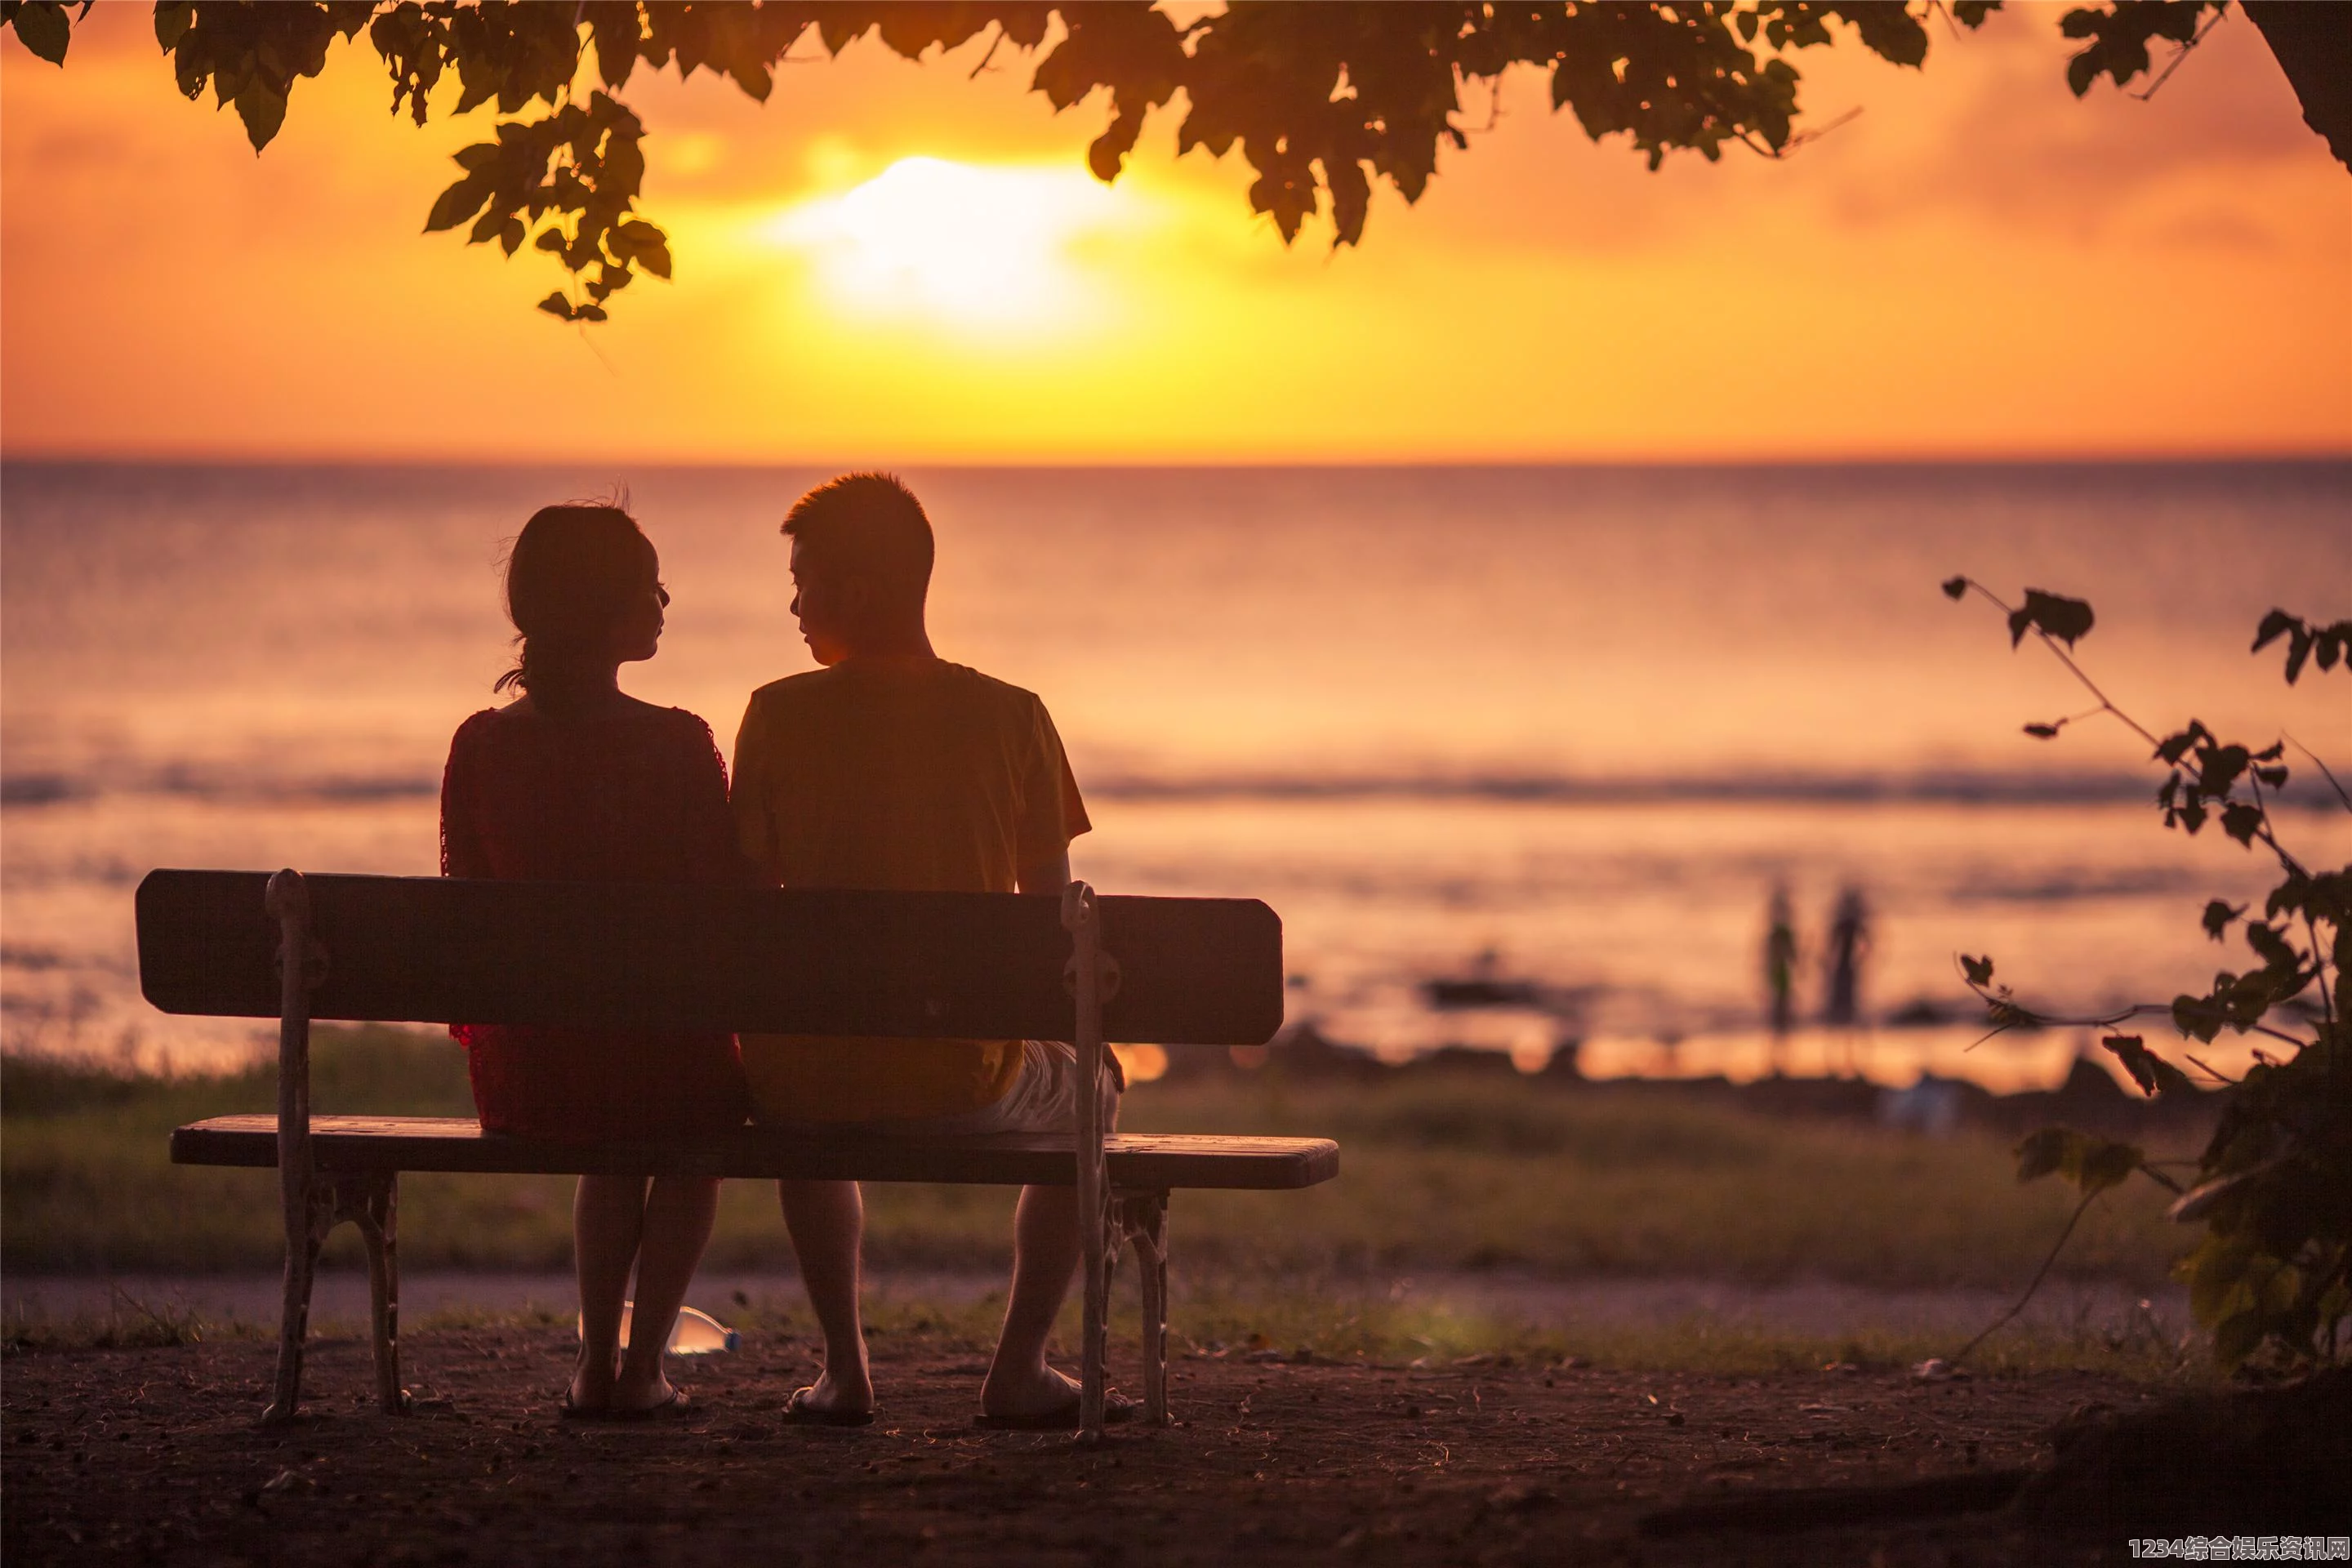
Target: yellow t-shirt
{"x":910,"y":774}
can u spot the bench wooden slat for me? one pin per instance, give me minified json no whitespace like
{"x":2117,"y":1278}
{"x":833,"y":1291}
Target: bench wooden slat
{"x":1145,"y":1162}
{"x":603,"y":956}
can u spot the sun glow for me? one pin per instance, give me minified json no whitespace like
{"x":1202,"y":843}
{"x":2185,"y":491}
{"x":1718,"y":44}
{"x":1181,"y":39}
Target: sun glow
{"x":960,"y":244}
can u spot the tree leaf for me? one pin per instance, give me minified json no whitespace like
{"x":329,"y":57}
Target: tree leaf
{"x":2068,"y":620}
{"x":2274,"y":626}
{"x":1978,"y":970}
{"x":556,"y":305}
{"x":171,"y":21}
{"x":2093,"y":1164}
{"x":1956,"y":587}
{"x":2175,"y":746}
{"x":2218,"y":916}
{"x":261,"y":104}
{"x":2041,"y":1153}
{"x":459,"y":203}
{"x":2042,"y":731}
{"x":2098,"y":1165}
{"x":2298,"y":648}
{"x":2154,"y":1075}
{"x":42,"y":28}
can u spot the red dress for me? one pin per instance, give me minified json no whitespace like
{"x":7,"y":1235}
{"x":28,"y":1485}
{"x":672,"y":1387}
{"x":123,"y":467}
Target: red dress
{"x":639,"y":796}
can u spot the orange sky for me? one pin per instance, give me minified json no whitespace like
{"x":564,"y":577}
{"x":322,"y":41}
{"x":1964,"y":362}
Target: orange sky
{"x":1979,"y":265}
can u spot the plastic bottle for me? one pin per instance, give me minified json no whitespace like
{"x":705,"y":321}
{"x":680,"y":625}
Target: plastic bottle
{"x":696,"y":1333}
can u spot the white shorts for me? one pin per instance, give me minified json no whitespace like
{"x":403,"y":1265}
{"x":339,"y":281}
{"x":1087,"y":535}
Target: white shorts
{"x":1044,"y":1099}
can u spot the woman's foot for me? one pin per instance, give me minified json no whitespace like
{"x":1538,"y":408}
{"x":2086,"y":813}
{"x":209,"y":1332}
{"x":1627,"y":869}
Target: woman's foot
{"x":591,"y":1389}
{"x":634,"y":1398}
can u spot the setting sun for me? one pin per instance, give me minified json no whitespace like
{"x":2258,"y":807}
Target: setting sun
{"x":960,"y":244}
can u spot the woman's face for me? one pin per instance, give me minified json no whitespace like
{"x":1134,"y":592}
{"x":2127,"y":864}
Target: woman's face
{"x":639,"y":634}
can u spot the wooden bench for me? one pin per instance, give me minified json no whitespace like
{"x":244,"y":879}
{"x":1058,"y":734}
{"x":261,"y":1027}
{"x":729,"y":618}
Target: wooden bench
{"x":988,"y":966}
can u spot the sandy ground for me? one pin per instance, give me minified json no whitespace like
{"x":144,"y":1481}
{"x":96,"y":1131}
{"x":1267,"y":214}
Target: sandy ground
{"x":152,"y":1456}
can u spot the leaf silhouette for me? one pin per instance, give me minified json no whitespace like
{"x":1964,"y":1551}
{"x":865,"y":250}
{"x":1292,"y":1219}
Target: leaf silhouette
{"x":2066,"y":619}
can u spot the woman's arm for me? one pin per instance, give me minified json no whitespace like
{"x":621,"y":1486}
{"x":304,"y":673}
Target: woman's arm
{"x":463,"y":852}
{"x":712,"y":852}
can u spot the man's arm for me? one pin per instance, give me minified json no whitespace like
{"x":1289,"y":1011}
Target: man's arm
{"x":1048,"y":874}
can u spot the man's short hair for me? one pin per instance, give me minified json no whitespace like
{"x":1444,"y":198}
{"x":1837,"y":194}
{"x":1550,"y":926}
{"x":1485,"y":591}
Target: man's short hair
{"x":867,"y":526}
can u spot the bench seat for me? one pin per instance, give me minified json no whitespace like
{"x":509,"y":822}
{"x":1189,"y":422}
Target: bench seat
{"x":1145,"y":1162}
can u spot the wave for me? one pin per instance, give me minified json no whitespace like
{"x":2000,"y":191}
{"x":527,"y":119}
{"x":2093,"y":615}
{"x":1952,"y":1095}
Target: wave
{"x":18,"y":791}
{"x":1952,"y":787}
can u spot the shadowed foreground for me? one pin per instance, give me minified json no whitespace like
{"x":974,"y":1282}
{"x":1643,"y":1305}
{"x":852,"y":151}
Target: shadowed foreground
{"x":151,"y":1456}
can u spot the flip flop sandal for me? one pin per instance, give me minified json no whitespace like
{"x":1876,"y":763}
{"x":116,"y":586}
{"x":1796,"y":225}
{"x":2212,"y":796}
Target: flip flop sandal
{"x":677,"y":1405}
{"x":568,"y":1410}
{"x":1117,"y":1408}
{"x":799,"y":1412}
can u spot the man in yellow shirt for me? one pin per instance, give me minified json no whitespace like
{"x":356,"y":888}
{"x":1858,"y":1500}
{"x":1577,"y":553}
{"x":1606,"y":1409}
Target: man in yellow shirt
{"x":891,"y":768}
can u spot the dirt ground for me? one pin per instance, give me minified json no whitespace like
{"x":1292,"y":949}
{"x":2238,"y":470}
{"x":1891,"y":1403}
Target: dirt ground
{"x":153,"y":1456}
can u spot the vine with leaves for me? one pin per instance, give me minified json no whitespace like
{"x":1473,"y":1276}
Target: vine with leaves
{"x":2273,"y":1187}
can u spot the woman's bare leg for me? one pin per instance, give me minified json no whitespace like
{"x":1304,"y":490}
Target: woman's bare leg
{"x":608,"y":1216}
{"x":827,"y":1221}
{"x":677,"y":1218}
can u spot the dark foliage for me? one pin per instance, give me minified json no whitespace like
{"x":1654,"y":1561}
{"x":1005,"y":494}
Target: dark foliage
{"x":2274,"y":1187}
{"x":1323,"y":101}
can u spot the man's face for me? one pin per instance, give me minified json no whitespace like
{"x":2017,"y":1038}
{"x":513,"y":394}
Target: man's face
{"x":823,"y":609}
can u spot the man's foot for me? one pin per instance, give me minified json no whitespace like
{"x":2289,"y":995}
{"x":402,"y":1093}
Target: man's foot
{"x":832,"y":1402}
{"x":1039,"y":1391}
{"x":1057,"y":1412}
{"x":801,"y":1410}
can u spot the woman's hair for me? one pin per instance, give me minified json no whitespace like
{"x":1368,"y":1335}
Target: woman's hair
{"x":572,"y":576}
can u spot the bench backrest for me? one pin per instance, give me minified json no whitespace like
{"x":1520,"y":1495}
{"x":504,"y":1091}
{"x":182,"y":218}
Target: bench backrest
{"x":606,"y":956}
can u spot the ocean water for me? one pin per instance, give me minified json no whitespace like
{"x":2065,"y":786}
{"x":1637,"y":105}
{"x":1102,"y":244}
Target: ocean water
{"x":1570,"y":725}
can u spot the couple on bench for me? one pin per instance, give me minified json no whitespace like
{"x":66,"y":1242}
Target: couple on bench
{"x":888,"y":768}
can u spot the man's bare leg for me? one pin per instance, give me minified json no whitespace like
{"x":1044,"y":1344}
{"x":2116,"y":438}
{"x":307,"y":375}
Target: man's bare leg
{"x":827,"y":1221}
{"x":1046,"y":1256}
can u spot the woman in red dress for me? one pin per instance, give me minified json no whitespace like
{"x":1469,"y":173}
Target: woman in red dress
{"x":576,"y":782}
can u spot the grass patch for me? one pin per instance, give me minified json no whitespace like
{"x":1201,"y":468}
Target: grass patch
{"x":128,"y":1322}
{"x":1436,"y":1176}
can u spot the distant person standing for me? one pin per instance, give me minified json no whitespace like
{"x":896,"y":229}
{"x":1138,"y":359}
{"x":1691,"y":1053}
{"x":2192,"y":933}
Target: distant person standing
{"x":1849,"y":949}
{"x":1780,"y":970}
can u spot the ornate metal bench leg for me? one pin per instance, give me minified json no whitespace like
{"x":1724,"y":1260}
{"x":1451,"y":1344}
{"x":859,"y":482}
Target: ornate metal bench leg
{"x":1144,"y":1217}
{"x":372,"y":1202}
{"x":308,"y":1208}
{"x":306,"y":1227}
